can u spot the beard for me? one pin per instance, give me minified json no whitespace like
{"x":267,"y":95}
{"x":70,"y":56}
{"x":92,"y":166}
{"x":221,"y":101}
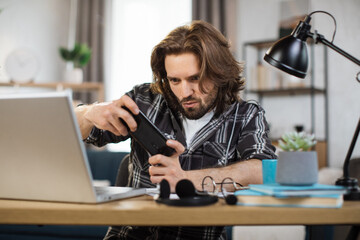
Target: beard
{"x":202,"y":108}
{"x":190,"y":113}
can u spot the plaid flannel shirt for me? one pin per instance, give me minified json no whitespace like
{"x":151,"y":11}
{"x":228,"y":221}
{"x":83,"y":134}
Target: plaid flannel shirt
{"x":218,"y":143}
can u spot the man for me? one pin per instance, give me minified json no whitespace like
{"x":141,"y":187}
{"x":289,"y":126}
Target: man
{"x":194,"y":99}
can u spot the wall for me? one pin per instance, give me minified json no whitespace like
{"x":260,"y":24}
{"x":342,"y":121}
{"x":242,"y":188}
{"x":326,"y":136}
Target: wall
{"x":39,"y":26}
{"x":259,"y":20}
{"x":344,"y":90}
{"x":42,"y":26}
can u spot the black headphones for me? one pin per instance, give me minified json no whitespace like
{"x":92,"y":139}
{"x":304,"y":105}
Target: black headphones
{"x":188,"y":196}
{"x":231,"y":199}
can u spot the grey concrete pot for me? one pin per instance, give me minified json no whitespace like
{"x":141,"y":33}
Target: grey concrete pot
{"x":297,"y":168}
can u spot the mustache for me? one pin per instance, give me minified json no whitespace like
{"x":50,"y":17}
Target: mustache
{"x":188,"y":99}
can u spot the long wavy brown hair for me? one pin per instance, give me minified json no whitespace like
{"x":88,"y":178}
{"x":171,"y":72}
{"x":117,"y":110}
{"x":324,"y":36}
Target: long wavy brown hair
{"x":217,"y":64}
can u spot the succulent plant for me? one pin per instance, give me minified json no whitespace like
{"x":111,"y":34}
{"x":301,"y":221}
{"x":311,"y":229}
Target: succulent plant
{"x":297,"y":141}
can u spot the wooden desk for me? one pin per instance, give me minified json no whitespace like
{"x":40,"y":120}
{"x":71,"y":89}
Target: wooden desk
{"x":143,"y":211}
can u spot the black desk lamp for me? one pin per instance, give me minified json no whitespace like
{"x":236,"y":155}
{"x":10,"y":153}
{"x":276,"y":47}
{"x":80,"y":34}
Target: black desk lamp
{"x":290,"y":55}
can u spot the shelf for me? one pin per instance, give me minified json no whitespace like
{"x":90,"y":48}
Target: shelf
{"x":269,"y":43}
{"x":261,"y":44}
{"x":262,"y":77}
{"x":82,"y":87}
{"x":288,"y":91}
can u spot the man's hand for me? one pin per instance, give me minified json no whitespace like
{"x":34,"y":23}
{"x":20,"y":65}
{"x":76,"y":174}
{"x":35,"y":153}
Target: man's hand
{"x":168,"y":167}
{"x":106,"y":116}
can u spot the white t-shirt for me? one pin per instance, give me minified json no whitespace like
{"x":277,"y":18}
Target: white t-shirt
{"x":191,"y":127}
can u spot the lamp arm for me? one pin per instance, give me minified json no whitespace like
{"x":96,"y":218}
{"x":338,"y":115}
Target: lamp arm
{"x":351,"y":149}
{"x":354,"y":194}
{"x":320,"y":38}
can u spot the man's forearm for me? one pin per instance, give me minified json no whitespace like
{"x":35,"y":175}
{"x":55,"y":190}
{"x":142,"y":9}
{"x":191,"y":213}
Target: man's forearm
{"x":84,"y":125}
{"x":245,"y":172}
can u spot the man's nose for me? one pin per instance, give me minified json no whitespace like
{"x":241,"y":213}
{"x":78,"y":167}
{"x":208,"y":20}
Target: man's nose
{"x":187,"y":89}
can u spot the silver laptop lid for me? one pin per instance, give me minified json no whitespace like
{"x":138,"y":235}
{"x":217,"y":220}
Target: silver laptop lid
{"x":42,"y":154}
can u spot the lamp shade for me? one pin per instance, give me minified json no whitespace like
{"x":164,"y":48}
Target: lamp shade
{"x":290,"y":55}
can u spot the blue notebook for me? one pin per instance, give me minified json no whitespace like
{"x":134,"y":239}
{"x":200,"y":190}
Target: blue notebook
{"x":278,"y":190}
{"x":254,"y":198}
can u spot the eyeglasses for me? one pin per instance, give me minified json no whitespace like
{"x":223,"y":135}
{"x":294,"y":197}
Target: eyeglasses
{"x":210,"y":186}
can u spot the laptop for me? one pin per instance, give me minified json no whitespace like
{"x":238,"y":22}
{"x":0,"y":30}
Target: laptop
{"x":42,"y":156}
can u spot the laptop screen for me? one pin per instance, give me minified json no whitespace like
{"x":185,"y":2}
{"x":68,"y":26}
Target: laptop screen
{"x":42,"y":154}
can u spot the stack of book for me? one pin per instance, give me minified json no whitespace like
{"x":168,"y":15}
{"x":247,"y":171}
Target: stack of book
{"x":314,"y":196}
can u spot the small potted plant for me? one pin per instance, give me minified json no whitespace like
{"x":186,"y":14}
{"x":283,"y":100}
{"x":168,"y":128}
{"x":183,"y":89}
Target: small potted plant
{"x":79,"y":56}
{"x":297,"y":141}
{"x":297,"y":163}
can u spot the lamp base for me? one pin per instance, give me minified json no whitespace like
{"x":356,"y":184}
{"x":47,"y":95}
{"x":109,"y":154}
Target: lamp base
{"x":352,"y":185}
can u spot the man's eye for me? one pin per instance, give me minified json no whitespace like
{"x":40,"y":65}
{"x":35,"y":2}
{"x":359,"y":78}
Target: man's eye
{"x":194,"y":78}
{"x":173,"y":80}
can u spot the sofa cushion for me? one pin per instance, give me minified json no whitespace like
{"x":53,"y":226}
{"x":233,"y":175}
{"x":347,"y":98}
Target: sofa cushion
{"x":104,"y":165}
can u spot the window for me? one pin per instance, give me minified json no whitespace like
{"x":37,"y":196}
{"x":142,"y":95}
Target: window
{"x":137,"y":26}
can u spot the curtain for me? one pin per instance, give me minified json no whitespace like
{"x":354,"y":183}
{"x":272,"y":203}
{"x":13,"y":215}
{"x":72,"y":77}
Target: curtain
{"x":211,"y":11}
{"x":90,"y":29}
{"x":220,"y":13}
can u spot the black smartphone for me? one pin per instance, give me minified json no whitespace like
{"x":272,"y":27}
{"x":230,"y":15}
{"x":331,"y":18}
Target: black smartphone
{"x":149,"y":136}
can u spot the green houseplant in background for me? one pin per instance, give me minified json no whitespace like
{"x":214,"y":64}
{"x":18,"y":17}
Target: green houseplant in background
{"x":297,"y":163}
{"x":79,"y":56}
